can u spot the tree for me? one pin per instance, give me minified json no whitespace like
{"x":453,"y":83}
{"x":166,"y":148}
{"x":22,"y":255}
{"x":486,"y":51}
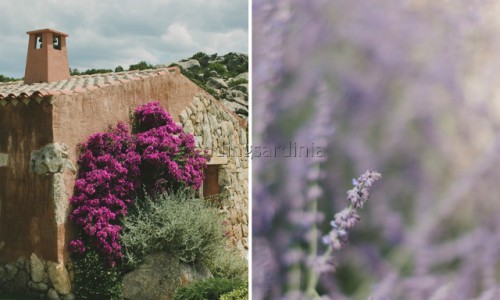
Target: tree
{"x":7,"y":79}
{"x":142,"y":65}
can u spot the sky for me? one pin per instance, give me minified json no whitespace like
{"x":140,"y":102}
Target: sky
{"x":104,"y":34}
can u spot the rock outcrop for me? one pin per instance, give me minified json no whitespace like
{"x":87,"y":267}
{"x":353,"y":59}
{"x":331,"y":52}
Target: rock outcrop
{"x":225,"y":77}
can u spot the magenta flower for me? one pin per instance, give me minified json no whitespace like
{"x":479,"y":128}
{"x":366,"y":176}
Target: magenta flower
{"x":115,"y":165}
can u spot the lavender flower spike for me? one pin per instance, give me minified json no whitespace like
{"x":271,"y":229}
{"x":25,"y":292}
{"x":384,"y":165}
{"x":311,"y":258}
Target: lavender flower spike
{"x":348,"y":217}
{"x":359,"y":194}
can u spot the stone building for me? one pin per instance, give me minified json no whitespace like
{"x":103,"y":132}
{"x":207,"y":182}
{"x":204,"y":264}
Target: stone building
{"x":42,"y":121}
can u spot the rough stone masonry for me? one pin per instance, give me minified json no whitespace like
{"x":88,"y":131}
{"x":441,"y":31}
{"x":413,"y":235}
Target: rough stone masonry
{"x":219,"y":131}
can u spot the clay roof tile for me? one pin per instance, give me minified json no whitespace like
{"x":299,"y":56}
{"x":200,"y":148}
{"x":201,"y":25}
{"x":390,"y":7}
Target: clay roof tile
{"x":75,"y":84}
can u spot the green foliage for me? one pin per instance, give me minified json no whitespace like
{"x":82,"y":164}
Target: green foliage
{"x":228,"y":264}
{"x":220,"y":66}
{"x":142,"y":65}
{"x":236,"y":82}
{"x":97,"y":71}
{"x":240,"y":293}
{"x":242,"y":68}
{"x":217,"y":67}
{"x":17,"y":297}
{"x":177,"y":223}
{"x":202,"y":58}
{"x":75,"y":71}
{"x":94,"y":279}
{"x":208,"y":289}
{"x":119,"y":69}
{"x":7,"y":79}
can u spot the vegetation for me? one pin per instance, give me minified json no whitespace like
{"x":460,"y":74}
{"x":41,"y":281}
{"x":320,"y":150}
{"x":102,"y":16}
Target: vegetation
{"x":16,"y":297}
{"x":240,"y":293}
{"x":175,"y":222}
{"x":115,"y":168}
{"x":237,"y":82}
{"x":7,"y":79}
{"x":228,"y":264}
{"x":94,"y":280}
{"x":142,"y":65}
{"x":75,"y":71}
{"x":227,"y":66}
{"x":212,"y":288}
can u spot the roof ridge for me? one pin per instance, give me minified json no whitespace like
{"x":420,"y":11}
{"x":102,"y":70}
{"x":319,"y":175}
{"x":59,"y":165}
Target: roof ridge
{"x":78,"y":83}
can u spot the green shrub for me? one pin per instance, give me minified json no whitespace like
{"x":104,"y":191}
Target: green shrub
{"x":217,"y":67}
{"x":202,"y":58}
{"x":228,"y":264}
{"x":208,"y":289}
{"x":94,"y":279}
{"x":240,"y":293}
{"x":236,"y":82}
{"x":142,"y":65}
{"x":177,"y":223}
{"x":6,"y":79}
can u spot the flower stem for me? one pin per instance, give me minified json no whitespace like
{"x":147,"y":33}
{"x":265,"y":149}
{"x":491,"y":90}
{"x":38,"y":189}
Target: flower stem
{"x":312,"y":277}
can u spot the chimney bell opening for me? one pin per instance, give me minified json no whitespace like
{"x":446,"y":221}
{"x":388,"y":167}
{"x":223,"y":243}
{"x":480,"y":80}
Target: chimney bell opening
{"x":38,"y":41}
{"x":56,"y":42}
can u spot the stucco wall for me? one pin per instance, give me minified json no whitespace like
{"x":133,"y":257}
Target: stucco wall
{"x":27,"y":222}
{"x":77,"y":116}
{"x":221,"y":132}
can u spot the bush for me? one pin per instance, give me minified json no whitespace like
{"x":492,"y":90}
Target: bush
{"x":228,"y":264}
{"x":218,"y":67}
{"x":202,"y":58}
{"x":169,"y":159}
{"x":142,"y":65}
{"x":107,"y":179}
{"x":236,"y":82}
{"x":240,"y":293}
{"x":177,"y":223}
{"x":94,"y":279}
{"x":114,"y":165}
{"x":6,"y":79}
{"x":208,"y":289}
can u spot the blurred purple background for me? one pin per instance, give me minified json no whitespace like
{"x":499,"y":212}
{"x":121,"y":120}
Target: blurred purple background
{"x":409,"y":88}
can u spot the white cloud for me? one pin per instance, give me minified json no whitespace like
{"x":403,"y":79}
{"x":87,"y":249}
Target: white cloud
{"x":235,"y":40}
{"x":178,"y":36}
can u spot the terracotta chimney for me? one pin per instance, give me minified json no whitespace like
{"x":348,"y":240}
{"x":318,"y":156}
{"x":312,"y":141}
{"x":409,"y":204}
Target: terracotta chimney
{"x":47,"y":59}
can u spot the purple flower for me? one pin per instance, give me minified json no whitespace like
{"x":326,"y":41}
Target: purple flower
{"x":77,"y":246}
{"x":346,"y":218}
{"x":358,"y":195}
{"x":115,"y":165}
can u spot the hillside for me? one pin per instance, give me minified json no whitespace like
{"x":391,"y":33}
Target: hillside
{"x":225,"y":77}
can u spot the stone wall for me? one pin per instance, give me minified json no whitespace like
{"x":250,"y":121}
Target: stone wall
{"x":224,"y":135}
{"x":37,"y":278}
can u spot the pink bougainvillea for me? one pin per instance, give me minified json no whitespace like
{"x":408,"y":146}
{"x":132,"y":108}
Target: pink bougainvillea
{"x":115,"y":165}
{"x":169,"y":158}
{"x":152,"y":115}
